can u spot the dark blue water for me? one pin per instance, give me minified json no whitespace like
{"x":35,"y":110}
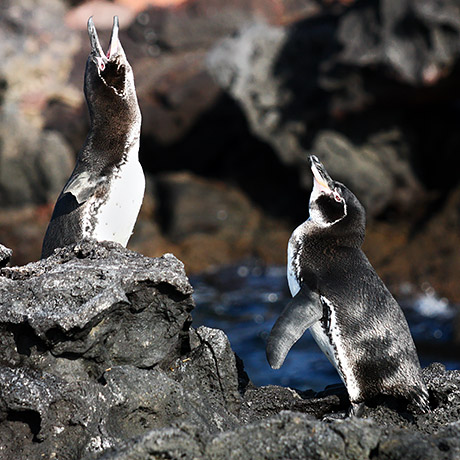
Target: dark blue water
{"x":245,"y":301}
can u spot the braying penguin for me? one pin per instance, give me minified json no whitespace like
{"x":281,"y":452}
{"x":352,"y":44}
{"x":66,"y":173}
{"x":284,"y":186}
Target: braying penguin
{"x":102,"y":198}
{"x":338,"y":295}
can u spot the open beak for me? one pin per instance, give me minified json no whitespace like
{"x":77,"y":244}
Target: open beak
{"x":322,"y":180}
{"x":96,"y":48}
{"x":114,"y":45}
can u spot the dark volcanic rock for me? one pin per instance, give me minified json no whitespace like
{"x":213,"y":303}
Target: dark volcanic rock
{"x":98,"y":360}
{"x":80,"y":330}
{"x":383,"y":433}
{"x":297,"y":436}
{"x":96,"y":350}
{"x":262,"y":402}
{"x":259,"y":69}
{"x":211,"y":350}
{"x":5,"y":255}
{"x":73,"y":303}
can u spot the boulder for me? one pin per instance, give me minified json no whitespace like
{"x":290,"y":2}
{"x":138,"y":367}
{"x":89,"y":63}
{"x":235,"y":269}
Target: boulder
{"x":381,"y":434}
{"x":71,"y":305}
{"x":96,"y":349}
{"x":286,"y":105}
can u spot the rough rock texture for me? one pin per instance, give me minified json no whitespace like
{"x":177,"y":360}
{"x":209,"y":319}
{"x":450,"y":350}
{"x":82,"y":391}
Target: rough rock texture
{"x":79,"y":331}
{"x":289,"y":432}
{"x":98,"y":360}
{"x":5,"y":255}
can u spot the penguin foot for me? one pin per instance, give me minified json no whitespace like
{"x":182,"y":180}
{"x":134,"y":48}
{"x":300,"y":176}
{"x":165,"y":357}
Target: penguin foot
{"x":356,"y":410}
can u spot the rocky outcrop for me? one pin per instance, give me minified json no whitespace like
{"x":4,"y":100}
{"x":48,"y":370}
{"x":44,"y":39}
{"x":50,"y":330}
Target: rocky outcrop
{"x":99,"y":360}
{"x":96,"y":349}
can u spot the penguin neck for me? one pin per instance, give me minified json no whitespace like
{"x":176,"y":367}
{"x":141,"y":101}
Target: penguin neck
{"x":113,"y":138}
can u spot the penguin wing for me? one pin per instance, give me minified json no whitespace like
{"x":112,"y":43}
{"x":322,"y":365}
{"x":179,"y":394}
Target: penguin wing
{"x":299,"y":314}
{"x":82,"y":186}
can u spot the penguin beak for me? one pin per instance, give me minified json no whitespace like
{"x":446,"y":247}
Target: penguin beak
{"x":114,"y":45}
{"x":322,"y":180}
{"x":96,"y":47}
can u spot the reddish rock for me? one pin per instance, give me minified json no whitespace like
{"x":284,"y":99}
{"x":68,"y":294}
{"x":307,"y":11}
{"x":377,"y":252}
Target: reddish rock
{"x":174,"y":91}
{"x":140,"y":5}
{"x":209,"y":223}
{"x":103,"y":12}
{"x":422,"y":252}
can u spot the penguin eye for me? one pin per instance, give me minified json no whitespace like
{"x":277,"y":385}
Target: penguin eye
{"x":100,"y":63}
{"x":337,"y":197}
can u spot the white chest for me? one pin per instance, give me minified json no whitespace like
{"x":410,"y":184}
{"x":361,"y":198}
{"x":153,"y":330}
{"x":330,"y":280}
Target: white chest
{"x":114,"y":219}
{"x":330,"y":342}
{"x":293,"y":268}
{"x":333,"y":346}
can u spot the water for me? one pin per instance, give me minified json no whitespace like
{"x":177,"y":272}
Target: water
{"x":245,"y":301}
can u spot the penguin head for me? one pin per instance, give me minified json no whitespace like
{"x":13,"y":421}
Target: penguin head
{"x":109,"y":80}
{"x":334,"y":206}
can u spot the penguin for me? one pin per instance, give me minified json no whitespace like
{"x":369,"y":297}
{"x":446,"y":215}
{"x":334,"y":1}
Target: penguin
{"x":102,"y":198}
{"x":338,"y":296}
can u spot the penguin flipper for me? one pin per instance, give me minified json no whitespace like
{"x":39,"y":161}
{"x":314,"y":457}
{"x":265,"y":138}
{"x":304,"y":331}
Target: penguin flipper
{"x":300,"y":313}
{"x":82,"y":186}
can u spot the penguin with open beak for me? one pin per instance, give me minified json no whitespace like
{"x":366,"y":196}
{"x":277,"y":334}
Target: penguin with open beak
{"x":338,"y":296}
{"x":102,"y":198}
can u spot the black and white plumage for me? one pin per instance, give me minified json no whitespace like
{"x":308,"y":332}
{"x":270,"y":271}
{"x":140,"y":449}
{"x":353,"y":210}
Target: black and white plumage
{"x":338,"y":295}
{"x":102,"y":198}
